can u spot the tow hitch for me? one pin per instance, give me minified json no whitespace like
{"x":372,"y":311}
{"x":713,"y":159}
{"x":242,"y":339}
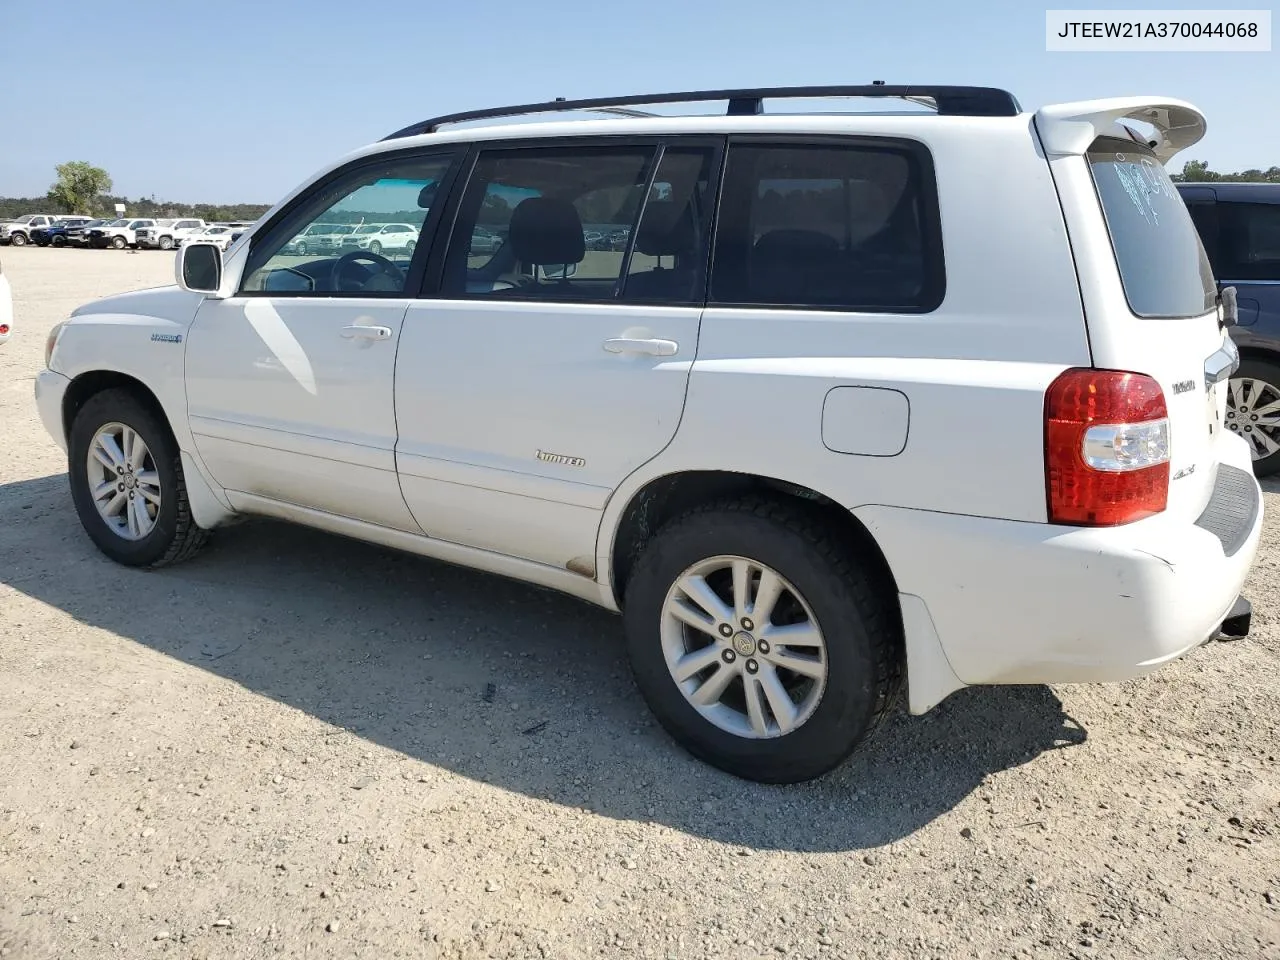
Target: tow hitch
{"x":1236,"y":625}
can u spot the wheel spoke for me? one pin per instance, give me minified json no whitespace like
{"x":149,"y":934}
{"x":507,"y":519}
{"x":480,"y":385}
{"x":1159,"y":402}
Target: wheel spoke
{"x":780,"y":703}
{"x":741,"y":589}
{"x":149,"y":478}
{"x":755,"y":706}
{"x":714,"y":686}
{"x":104,"y":458}
{"x":795,"y":635}
{"x":135,"y":449}
{"x":153,"y":496}
{"x":106,"y":487}
{"x":1269,"y":413}
{"x":699,"y":591}
{"x":767,"y":594}
{"x":1266,"y":443}
{"x":112,"y":449}
{"x":810,"y":667}
{"x":694,"y":663}
{"x":115,"y":505}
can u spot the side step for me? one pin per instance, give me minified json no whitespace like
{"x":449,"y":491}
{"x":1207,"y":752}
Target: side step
{"x":1236,"y":625}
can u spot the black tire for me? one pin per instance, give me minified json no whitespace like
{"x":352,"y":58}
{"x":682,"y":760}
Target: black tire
{"x":301,"y":249}
{"x":855,"y":611}
{"x":166,"y":243}
{"x":175,"y":536}
{"x":1267,"y":371}
{"x":119,"y":242}
{"x":59,"y":241}
{"x":18,"y":239}
{"x":375,"y":248}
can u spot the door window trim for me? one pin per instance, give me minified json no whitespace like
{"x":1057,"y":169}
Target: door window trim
{"x":434,"y":275}
{"x":933,"y":246}
{"x":453,"y":153}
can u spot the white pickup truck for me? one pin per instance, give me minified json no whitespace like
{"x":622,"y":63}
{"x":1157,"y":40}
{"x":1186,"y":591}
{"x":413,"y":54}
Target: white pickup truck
{"x":18,"y":231}
{"x":166,"y":233}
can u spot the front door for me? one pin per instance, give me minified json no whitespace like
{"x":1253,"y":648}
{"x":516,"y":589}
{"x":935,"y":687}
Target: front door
{"x":289,"y":382}
{"x":555,"y":360}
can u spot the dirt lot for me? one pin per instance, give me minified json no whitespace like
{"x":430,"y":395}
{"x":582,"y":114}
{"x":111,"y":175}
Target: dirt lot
{"x":300,"y":745}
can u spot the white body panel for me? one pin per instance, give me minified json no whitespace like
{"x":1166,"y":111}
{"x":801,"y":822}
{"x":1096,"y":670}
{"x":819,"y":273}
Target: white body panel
{"x":286,"y":401}
{"x":469,"y":453}
{"x":6,"y":309}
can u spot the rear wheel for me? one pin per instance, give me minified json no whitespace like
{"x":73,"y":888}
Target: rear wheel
{"x":166,"y":243}
{"x":127,"y":483}
{"x":1253,"y":412}
{"x":59,"y":240}
{"x":375,"y":247}
{"x":760,"y":642}
{"x":119,"y":243}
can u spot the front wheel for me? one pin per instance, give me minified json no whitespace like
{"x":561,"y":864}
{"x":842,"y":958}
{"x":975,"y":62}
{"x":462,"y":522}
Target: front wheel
{"x":127,"y":483}
{"x":18,"y":239}
{"x":1253,"y":412}
{"x":760,"y":642}
{"x":59,"y":241}
{"x":166,"y":243}
{"x":119,"y":243}
{"x":375,"y":248}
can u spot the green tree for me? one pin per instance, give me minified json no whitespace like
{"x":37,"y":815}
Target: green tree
{"x":79,"y":186}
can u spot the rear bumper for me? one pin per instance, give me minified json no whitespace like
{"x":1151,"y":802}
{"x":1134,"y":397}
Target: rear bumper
{"x":50,"y":389}
{"x":1034,"y":603}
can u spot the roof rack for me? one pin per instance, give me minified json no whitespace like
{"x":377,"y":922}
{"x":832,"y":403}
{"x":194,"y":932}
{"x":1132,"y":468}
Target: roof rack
{"x":949,"y":101}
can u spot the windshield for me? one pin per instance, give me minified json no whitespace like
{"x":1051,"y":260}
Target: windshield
{"x":118,"y":223}
{"x":374,"y":228}
{"x":1163,"y":267}
{"x":27,"y":218}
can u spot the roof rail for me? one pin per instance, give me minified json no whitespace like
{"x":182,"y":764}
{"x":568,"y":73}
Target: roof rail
{"x":949,"y":101}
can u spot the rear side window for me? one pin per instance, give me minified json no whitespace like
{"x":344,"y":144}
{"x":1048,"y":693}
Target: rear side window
{"x":1249,"y":244}
{"x":842,"y":226}
{"x":1162,"y":262}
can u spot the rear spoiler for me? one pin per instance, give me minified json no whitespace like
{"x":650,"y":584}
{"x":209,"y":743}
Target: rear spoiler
{"x":1067,"y":129}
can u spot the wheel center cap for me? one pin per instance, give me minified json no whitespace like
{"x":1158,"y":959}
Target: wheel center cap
{"x":130,"y":481}
{"x":744,"y":643}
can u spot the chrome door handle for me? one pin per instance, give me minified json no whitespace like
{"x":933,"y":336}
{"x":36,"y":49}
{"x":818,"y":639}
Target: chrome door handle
{"x":652,"y":348}
{"x":359,"y":331}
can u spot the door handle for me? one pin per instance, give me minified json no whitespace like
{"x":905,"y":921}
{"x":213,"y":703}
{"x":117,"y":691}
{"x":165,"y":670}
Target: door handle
{"x":358,"y":331}
{"x":649,"y":347}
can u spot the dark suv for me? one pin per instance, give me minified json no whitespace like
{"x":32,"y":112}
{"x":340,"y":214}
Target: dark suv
{"x":1239,"y":224}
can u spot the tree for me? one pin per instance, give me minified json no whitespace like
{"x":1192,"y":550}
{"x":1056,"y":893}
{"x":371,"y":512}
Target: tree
{"x":78,"y":186}
{"x":1197,"y":171}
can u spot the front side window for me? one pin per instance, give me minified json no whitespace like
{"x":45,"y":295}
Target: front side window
{"x":1162,"y":263}
{"x":347,"y":252}
{"x":1249,"y":241}
{"x":828,"y":225}
{"x":549,"y":223}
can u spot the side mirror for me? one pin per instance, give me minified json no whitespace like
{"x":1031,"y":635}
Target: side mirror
{"x":198,"y":267}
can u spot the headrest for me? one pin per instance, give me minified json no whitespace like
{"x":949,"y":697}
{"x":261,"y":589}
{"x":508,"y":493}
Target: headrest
{"x":545,"y":230}
{"x":427,"y":195}
{"x":796,"y":244}
{"x":666,"y":229}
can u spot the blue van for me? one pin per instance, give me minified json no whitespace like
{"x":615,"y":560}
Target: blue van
{"x":1239,"y":224}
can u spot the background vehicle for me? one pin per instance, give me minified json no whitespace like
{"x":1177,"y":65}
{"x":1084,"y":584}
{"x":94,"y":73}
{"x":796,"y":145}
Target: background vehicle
{"x":733,"y":430}
{"x":376,"y":237}
{"x":165,"y":233}
{"x":219,"y":234}
{"x":6,"y":308}
{"x":1239,"y":224}
{"x":118,"y":234}
{"x":18,"y":231}
{"x":56,"y":233}
{"x":78,"y":236}
{"x":318,"y":237}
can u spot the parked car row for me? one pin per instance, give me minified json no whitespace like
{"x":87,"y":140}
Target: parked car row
{"x":139,"y":233}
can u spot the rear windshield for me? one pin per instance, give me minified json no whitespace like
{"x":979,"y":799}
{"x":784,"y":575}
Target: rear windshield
{"x":1162,"y":264}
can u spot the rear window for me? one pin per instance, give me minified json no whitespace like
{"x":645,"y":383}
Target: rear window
{"x":1162,"y":264}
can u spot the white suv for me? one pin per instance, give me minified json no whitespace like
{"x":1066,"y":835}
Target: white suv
{"x":831,"y":421}
{"x":166,"y":234}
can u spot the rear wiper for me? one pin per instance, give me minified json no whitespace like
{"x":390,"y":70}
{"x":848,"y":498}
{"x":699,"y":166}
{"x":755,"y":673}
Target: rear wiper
{"x":1228,"y":312}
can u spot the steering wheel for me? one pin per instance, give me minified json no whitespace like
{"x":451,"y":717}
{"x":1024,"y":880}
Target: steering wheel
{"x":385,"y":268}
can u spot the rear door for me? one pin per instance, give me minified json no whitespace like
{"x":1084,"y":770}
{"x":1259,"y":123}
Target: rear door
{"x":1163,"y":320}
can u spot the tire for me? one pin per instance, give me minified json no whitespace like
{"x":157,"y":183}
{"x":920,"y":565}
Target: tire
{"x":301,"y":249}
{"x":59,"y":241}
{"x":18,"y":239}
{"x":119,"y":243}
{"x":174,"y":535}
{"x":1256,"y":383}
{"x":855,"y":615}
{"x":375,"y":248}
{"x":166,"y":243}
{"x":411,"y":246}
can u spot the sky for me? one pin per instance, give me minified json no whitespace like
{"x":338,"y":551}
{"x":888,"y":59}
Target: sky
{"x":240,"y":100}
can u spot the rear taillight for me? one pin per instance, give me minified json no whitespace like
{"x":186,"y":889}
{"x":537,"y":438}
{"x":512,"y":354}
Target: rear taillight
{"x":1106,"y":447}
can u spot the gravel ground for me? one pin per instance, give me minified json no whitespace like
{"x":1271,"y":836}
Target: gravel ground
{"x":297,"y":744}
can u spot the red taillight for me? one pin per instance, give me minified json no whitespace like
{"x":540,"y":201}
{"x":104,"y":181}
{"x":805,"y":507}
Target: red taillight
{"x":1106,"y":447}
{"x":4,"y":328}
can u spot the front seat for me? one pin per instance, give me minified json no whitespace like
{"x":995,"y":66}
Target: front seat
{"x":666,"y":230}
{"x":547,"y":232}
